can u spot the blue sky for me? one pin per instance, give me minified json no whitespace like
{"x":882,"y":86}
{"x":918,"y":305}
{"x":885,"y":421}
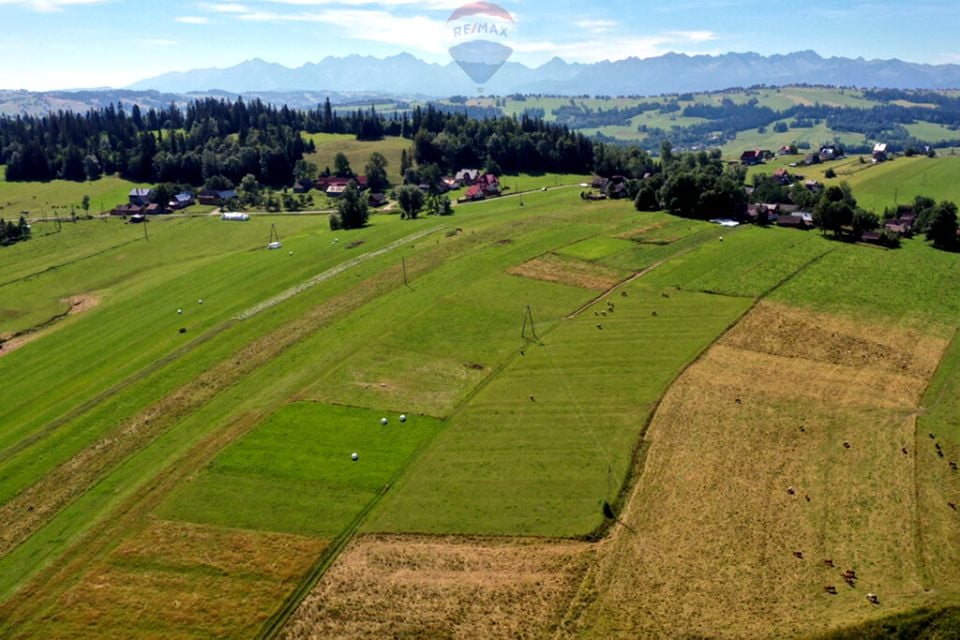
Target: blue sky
{"x":55,"y":44}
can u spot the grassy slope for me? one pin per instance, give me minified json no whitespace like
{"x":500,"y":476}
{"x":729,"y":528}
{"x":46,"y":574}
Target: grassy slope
{"x":566,"y":447}
{"x":908,"y":556}
{"x":283,"y":377}
{"x":41,"y":198}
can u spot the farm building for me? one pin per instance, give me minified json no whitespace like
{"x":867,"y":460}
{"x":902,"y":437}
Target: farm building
{"x":125,"y":210}
{"x":467,"y":177}
{"x":793,"y":222}
{"x":181,"y":201}
{"x":141,"y":196}
{"x":216,"y":198}
{"x":750,"y":158}
{"x":154,"y":209}
{"x":880,"y":152}
{"x":304,"y":185}
{"x":377,"y":199}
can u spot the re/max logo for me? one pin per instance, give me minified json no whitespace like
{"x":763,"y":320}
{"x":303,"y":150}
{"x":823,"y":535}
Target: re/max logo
{"x":480,"y":28}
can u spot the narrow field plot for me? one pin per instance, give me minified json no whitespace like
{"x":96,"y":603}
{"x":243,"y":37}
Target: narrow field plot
{"x":295,"y":474}
{"x":595,"y":248}
{"x":941,"y":484}
{"x":747,"y":261}
{"x":770,"y":472}
{"x":435,"y":587}
{"x":574,"y":273}
{"x":183,"y":581}
{"x":662,"y":229}
{"x":540,"y":448}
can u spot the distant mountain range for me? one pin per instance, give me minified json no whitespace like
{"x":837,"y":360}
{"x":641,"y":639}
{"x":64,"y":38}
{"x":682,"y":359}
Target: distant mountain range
{"x":406,"y":75}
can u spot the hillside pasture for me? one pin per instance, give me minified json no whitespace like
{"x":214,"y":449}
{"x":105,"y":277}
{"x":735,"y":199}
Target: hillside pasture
{"x":539,"y":448}
{"x":760,"y":453}
{"x":358,"y":152}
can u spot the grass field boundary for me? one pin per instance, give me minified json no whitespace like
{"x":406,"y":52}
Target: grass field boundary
{"x":635,"y":468}
{"x":69,"y":263}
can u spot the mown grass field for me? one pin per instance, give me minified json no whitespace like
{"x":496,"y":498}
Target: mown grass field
{"x":295,"y":473}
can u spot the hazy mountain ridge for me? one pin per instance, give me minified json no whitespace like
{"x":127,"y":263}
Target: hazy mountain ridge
{"x":405,"y":74}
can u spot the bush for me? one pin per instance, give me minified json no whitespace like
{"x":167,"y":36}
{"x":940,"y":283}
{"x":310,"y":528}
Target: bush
{"x":336,"y":223}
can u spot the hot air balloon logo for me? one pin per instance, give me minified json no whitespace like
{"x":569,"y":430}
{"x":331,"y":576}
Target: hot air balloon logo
{"x":480,"y":30}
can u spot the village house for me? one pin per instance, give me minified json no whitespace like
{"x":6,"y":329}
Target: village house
{"x":467,"y":177}
{"x":181,"y":201}
{"x":880,"y":152}
{"x":141,"y":196}
{"x":750,"y":158}
{"x":829,"y":153}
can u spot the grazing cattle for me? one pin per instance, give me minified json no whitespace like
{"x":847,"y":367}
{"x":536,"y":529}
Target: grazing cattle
{"x":937,"y":445}
{"x":850,"y":573}
{"x":600,"y":326}
{"x":828,"y":562}
{"x":664,"y":295}
{"x":952,"y":505}
{"x":791,"y":491}
{"x":654,"y":314}
{"x":939,"y":453}
{"x":803,"y":429}
{"x":806,"y":496}
{"x":905,"y":452}
{"x":953,"y":465}
{"x":933,"y":437}
{"x":846,"y":445}
{"x":532,"y":399}
{"x":798,"y":555}
{"x":738,"y":401}
{"x":832,"y":590}
{"x":872,"y":597}
{"x":623,"y":294}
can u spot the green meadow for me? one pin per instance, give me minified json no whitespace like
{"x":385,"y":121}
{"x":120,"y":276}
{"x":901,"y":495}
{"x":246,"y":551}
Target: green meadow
{"x":217,"y":385}
{"x":295,"y":473}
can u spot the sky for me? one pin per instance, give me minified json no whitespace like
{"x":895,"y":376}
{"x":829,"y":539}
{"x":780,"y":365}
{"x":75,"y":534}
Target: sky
{"x":70,"y":44}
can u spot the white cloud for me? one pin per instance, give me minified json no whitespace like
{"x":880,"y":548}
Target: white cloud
{"x":225,"y":7}
{"x":597,"y":26}
{"x":613,"y":48}
{"x":48,"y":6}
{"x":158,"y":42}
{"x":193,"y":20}
{"x":414,"y":32}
